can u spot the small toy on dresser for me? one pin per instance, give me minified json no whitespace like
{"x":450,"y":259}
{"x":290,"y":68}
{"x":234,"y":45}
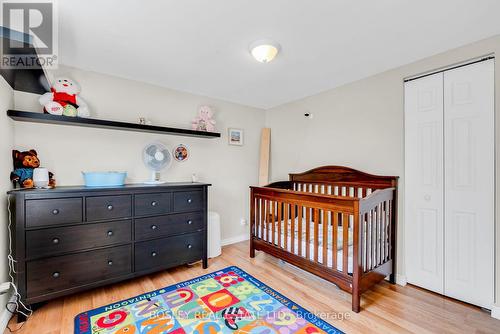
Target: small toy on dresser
{"x":63,"y":99}
{"x":204,"y":121}
{"x":24,"y":164}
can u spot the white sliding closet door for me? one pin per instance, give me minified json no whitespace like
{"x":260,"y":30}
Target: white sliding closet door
{"x":424,"y":182}
{"x":469,"y":183}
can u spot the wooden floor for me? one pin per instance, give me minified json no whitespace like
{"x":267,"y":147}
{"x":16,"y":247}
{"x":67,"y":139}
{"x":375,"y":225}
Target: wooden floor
{"x":385,"y":309}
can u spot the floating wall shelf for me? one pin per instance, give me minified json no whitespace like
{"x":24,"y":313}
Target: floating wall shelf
{"x":38,"y":117}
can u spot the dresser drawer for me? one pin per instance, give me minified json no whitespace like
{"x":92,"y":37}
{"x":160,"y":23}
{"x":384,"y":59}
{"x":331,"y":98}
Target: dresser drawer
{"x":108,"y":207}
{"x":58,"y":240}
{"x":188,"y":201}
{"x":69,"y":271}
{"x":163,"y":226}
{"x":153,"y":204}
{"x":168,"y":251}
{"x":42,"y":212}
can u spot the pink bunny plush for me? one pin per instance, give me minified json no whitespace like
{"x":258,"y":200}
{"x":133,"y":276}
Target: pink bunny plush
{"x":204,"y":120}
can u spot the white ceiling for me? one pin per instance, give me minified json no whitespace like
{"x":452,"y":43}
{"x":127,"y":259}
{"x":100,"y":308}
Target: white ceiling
{"x":201,"y":46}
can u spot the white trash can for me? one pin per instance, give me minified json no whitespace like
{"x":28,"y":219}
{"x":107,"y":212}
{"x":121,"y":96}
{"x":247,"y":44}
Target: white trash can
{"x":214,"y":247}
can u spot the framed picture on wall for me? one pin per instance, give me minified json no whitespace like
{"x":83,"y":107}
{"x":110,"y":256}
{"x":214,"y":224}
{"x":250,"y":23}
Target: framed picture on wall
{"x":235,"y":136}
{"x":181,"y":153}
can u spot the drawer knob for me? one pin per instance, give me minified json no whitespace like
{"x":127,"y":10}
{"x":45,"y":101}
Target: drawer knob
{"x":189,"y":200}
{"x":110,"y":233}
{"x":190,"y":246}
{"x":190,"y":222}
{"x":55,"y":212}
{"x":154,"y":203}
{"x":110,"y":207}
{"x":110,"y":263}
{"x":55,"y":241}
{"x":154,"y":227}
{"x":56,"y":274}
{"x":153,"y":254}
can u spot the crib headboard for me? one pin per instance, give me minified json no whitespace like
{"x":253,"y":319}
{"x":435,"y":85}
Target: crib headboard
{"x":344,"y":175}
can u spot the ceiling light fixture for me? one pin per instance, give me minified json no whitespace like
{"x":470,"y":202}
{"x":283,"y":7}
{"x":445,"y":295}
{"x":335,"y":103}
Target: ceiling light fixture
{"x":264,"y":50}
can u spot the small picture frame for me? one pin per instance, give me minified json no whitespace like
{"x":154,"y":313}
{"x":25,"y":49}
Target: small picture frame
{"x":235,"y":136}
{"x":180,"y":153}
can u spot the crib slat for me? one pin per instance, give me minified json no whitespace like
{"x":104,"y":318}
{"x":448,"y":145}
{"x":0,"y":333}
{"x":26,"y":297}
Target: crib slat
{"x":316,"y":221}
{"x":272,"y":207}
{"x":279,"y":209}
{"x":377,"y":216}
{"x":335,"y":227}
{"x":374,"y":237}
{"x":380,"y":233}
{"x":363,"y":240}
{"x":308,"y":233}
{"x":386,"y":238}
{"x":389,"y":250}
{"x":384,"y":232}
{"x":300,"y":211}
{"x":256,"y":215}
{"x":325,"y":237}
{"x":345,"y":240}
{"x":292,"y":228}
{"x":370,"y":266}
{"x":264,"y":229}
{"x":285,"y":224}
{"x":368,"y":239}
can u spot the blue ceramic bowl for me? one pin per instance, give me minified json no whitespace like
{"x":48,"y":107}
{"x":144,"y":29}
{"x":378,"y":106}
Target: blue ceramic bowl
{"x":104,"y":179}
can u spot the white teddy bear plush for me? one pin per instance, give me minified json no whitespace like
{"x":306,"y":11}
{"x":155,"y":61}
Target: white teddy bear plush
{"x":63,"y":99}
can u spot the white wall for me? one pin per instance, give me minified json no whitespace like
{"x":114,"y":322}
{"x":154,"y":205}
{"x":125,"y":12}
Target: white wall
{"x":67,"y":151}
{"x":361,"y":125}
{"x":6,"y":141}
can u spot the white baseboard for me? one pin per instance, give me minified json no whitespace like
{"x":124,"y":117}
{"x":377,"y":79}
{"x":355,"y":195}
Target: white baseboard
{"x":401,"y":280}
{"x":5,"y":315}
{"x":233,"y":240}
{"x":495,"y":312}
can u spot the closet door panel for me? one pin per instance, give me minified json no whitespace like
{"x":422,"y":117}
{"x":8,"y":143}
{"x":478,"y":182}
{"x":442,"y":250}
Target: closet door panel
{"x":469,"y":183}
{"x":424,"y":182}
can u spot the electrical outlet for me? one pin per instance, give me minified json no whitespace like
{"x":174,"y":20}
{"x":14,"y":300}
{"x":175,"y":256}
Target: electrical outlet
{"x":4,"y":287}
{"x":243,"y":221}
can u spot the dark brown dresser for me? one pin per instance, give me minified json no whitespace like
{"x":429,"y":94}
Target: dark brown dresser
{"x":71,"y":239}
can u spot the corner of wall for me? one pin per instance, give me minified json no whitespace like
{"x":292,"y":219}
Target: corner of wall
{"x":495,"y":312}
{"x":6,"y":144}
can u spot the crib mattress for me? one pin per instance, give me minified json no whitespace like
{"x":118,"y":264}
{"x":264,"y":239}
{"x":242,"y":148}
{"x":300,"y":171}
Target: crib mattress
{"x":310,"y":244}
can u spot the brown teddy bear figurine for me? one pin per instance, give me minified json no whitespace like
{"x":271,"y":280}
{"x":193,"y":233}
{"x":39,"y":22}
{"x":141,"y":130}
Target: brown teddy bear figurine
{"x":24,"y":163}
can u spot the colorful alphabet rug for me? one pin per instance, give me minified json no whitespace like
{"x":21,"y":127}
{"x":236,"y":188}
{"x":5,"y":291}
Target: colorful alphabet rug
{"x":226,"y":301}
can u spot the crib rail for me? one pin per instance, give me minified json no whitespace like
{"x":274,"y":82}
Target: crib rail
{"x":312,"y":226}
{"x":351,"y":236}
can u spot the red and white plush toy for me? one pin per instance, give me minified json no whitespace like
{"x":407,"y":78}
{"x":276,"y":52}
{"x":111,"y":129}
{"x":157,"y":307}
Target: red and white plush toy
{"x":63,"y":99}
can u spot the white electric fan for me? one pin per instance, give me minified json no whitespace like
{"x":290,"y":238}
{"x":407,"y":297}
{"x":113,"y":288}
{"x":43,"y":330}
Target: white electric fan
{"x":156,"y":157}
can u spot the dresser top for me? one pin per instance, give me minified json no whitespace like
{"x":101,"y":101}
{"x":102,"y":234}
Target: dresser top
{"x":134,"y":186}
